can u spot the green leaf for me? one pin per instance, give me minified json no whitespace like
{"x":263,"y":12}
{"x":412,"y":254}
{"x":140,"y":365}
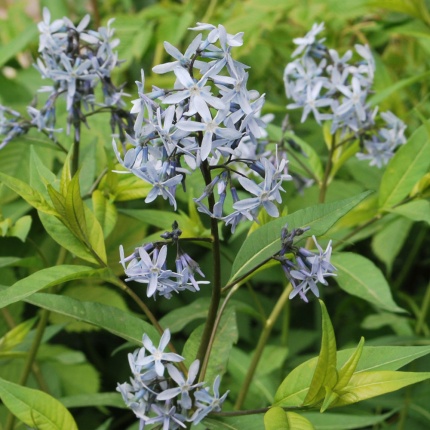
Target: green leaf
{"x":365,"y":385}
{"x":333,"y":421}
{"x":105,"y":212}
{"x":64,"y":237}
{"x":114,"y":320}
{"x":348,"y":369}
{"x":225,"y":337}
{"x":415,"y":8}
{"x":325,"y":370}
{"x":97,"y":399}
{"x":182,"y":316}
{"x":417,"y":210}
{"x":40,"y":175}
{"x":265,"y":242}
{"x":293,"y":389}
{"x":389,"y":240}
{"x":405,"y":169}
{"x":396,"y":87}
{"x":360,"y":277}
{"x":35,"y":408}
{"x":248,"y":422}
{"x":18,"y":44}
{"x":95,"y":293}
{"x":16,"y":335}
{"x":46,"y":278}
{"x":28,"y":193}
{"x":277,"y":419}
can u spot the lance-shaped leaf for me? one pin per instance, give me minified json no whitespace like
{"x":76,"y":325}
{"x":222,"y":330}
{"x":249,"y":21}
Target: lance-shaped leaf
{"x":28,"y":193}
{"x":46,"y":278}
{"x":294,"y":387}
{"x":35,"y":408}
{"x":405,"y":169}
{"x":266,"y":241}
{"x":365,"y":385}
{"x":324,"y":377}
{"x":114,"y":320}
{"x":344,"y":376}
{"x":360,"y":277}
{"x":277,"y":419}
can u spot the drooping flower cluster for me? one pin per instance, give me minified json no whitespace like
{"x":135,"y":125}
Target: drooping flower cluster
{"x":170,"y":398}
{"x":332,"y":88}
{"x":208,"y":120}
{"x":148,"y":265}
{"x":309,"y":268}
{"x":77,"y":60}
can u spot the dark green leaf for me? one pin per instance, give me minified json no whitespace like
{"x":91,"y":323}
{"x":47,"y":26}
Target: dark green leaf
{"x":266,"y":241}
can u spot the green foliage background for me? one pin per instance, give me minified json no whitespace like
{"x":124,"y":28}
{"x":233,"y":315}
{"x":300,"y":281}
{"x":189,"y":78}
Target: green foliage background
{"x":77,"y":360}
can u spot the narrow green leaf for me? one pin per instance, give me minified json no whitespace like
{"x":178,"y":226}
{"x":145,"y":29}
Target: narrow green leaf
{"x":294,"y":387}
{"x":96,"y":238}
{"x":40,"y":175}
{"x":265,"y":241}
{"x":35,"y":408}
{"x":277,"y":419}
{"x":114,"y":320}
{"x":18,"y":44}
{"x":16,"y":335}
{"x":396,"y":87}
{"x":366,"y":385}
{"x":334,"y":421}
{"x":29,"y":194}
{"x":325,"y":371}
{"x":105,"y":212}
{"x":97,"y":399}
{"x":389,"y":240}
{"x":248,"y":422}
{"x":46,"y":278}
{"x":64,"y":237}
{"x":348,"y":369}
{"x":405,"y":169}
{"x":75,"y":212}
{"x":360,"y":277}
{"x":417,"y":210}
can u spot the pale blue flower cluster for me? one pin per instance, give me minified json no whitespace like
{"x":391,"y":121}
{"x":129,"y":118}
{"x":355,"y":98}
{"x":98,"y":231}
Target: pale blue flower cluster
{"x":78,"y":61}
{"x":332,"y":88}
{"x":148,"y":265}
{"x":208,"y":118}
{"x":170,"y":400}
{"x":309,"y":268}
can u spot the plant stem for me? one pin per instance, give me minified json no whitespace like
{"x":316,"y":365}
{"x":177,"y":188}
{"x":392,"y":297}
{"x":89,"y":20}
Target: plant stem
{"x":329,"y":165}
{"x":267,"y":329}
{"x":76,"y":143}
{"x":424,"y":309}
{"x":213,"y":334}
{"x":203,"y":352}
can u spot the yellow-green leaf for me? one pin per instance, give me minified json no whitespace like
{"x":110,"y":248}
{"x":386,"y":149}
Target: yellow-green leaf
{"x":277,"y":419}
{"x":35,"y":408}
{"x":325,"y":370}
{"x":365,"y":385}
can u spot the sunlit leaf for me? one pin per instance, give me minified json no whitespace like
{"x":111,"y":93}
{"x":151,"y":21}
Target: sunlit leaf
{"x":36,"y":408}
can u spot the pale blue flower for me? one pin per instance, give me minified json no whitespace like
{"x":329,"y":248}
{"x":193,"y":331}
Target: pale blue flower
{"x":157,"y":356}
